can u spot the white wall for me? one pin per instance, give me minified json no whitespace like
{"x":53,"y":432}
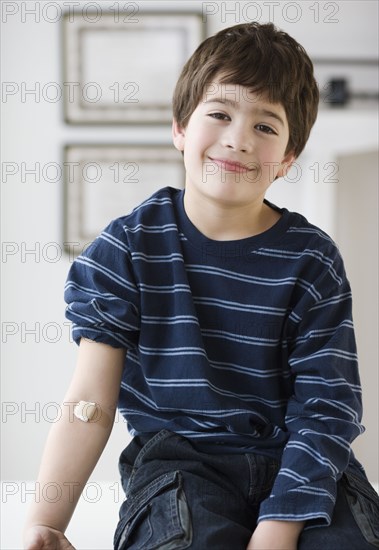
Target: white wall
{"x":36,"y":368}
{"x":358,"y":238}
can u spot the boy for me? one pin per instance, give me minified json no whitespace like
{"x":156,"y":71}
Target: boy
{"x":240,"y":381}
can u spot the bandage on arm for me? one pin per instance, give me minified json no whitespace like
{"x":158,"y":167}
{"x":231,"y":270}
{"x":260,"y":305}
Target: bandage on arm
{"x":85,"y":410}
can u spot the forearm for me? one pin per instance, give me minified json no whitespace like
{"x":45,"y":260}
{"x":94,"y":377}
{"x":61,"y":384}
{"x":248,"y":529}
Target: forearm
{"x":72,"y":450}
{"x":73,"y":446}
{"x":276,"y":535}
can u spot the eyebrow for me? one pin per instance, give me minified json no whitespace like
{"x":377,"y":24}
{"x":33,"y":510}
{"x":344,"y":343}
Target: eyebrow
{"x":259,"y":110}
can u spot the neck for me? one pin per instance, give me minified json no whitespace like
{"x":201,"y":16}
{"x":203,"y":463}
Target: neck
{"x":225,"y":222}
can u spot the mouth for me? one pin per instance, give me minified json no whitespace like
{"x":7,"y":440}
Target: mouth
{"x":231,"y":166}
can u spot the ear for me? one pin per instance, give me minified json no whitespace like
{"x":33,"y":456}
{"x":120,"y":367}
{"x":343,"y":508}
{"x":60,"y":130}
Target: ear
{"x":286,"y":164}
{"x":178,"y":135}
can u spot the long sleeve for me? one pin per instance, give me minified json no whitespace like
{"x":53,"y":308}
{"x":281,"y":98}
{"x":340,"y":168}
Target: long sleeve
{"x":324,"y":413}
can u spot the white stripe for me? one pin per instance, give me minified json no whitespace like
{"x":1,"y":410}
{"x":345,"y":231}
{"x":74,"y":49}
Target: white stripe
{"x":331,"y":301}
{"x":311,"y":230}
{"x":168,"y":258}
{"x":326,"y":352}
{"x":254,"y":280}
{"x":331,"y":382}
{"x":112,"y":319}
{"x":217,"y":413}
{"x":202,"y":382}
{"x":171,"y":351}
{"x":93,"y":320}
{"x":153,"y":200}
{"x":224,"y":335}
{"x":107,"y":272}
{"x":269,"y":373}
{"x":313,"y":491}
{"x":166,"y":289}
{"x":287,"y":472}
{"x":297,"y":255}
{"x":91,"y":291}
{"x":335,"y":438}
{"x":113,"y":241}
{"x":339,"y":405}
{"x":295,"y":317}
{"x":318,"y":333}
{"x":314,"y":454}
{"x":173,"y":320}
{"x":152,"y":228}
{"x":238,"y":306}
{"x":293,"y":517}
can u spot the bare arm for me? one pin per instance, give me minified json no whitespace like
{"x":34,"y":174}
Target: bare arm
{"x":73,"y":447}
{"x":276,"y":535}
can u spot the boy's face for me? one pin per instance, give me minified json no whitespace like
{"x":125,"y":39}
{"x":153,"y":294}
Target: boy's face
{"x":234,"y":145}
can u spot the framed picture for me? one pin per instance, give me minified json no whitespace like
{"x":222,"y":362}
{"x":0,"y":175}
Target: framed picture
{"x":119,"y":70}
{"x":103,"y":182}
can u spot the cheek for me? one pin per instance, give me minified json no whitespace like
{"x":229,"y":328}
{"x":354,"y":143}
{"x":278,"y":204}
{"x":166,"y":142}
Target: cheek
{"x":272,"y":155}
{"x":197,"y":146}
{"x":270,"y":164}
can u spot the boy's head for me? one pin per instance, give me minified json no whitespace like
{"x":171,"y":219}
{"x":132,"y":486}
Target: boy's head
{"x":264,"y":60}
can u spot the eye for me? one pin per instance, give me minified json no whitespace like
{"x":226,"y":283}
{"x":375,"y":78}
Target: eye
{"x":219,"y":116}
{"x":265,"y":129}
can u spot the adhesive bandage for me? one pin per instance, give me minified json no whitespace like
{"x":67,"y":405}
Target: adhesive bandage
{"x":85,"y":410}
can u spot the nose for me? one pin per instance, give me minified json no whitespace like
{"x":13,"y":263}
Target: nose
{"x":238,"y":137}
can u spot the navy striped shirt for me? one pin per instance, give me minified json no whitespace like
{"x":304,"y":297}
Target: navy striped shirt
{"x":241,"y":346}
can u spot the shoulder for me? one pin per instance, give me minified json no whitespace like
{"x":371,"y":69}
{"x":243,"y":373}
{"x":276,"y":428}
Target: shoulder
{"x":154,"y":209}
{"x":306,"y":233}
{"x":306,"y":236}
{"x":297,"y":233}
{"x":318,"y":254}
{"x":314,"y":260}
{"x":151,"y":216}
{"x":307,"y":253}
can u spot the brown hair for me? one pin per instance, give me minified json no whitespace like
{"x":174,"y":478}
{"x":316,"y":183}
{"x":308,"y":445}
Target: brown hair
{"x":265,"y":60}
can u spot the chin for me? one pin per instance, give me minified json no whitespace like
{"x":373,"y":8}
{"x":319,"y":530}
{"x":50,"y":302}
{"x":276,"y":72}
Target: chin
{"x":229,"y":197}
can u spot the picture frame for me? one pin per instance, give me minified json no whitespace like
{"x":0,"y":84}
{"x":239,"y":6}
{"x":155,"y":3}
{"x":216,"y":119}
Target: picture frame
{"x":105,"y":181}
{"x":102,"y":86}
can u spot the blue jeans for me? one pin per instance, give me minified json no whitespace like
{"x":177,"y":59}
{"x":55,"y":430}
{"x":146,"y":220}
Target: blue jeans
{"x":178,"y":497}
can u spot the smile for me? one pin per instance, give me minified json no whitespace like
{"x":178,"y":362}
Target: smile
{"x":231,"y":166}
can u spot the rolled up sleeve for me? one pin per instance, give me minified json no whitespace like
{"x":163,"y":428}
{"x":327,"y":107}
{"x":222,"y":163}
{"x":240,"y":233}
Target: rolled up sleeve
{"x":101,"y":293}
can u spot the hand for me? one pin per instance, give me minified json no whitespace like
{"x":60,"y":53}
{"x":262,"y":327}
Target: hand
{"x":276,"y":535}
{"x":41,"y":537}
